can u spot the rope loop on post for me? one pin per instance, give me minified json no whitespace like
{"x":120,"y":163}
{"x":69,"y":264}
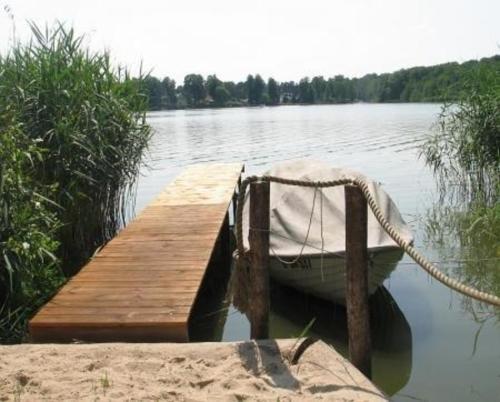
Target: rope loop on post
{"x":363,"y":185}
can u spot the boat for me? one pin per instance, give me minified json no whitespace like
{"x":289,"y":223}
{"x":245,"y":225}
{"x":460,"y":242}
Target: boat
{"x":307,"y":231}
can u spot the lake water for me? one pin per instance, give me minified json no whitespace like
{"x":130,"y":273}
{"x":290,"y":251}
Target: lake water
{"x":438,"y":347}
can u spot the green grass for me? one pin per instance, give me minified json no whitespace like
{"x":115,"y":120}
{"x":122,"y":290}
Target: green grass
{"x":105,"y":383}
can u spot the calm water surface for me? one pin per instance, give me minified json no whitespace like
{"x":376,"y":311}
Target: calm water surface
{"x":435,"y":347}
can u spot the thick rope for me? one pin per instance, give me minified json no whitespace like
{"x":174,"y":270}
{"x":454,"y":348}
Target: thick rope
{"x":430,"y":268}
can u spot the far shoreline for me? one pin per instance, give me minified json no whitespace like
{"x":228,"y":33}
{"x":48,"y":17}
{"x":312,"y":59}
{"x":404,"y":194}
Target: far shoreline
{"x":207,"y":107}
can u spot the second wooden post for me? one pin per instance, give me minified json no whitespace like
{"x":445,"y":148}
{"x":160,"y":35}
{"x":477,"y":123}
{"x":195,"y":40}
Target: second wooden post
{"x":356,"y":261}
{"x":259,"y":260}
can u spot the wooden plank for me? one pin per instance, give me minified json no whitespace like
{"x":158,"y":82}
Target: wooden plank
{"x":149,"y":268}
{"x":126,"y":302}
{"x":172,"y":332}
{"x":136,"y":266}
{"x":110,"y":319}
{"x":151,"y":260}
{"x":129,"y":311}
{"x":172,"y":237}
{"x":133,"y":276}
{"x":111,"y":273}
{"x":142,"y":285}
{"x":145,"y":284}
{"x":85,"y":290}
{"x":141,"y":252}
{"x":103,"y":295}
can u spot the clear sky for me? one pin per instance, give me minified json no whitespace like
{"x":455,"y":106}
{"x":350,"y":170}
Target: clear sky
{"x":285,"y":39}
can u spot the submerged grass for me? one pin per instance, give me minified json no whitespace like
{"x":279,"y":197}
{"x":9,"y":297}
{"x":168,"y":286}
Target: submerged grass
{"x":73,"y":134}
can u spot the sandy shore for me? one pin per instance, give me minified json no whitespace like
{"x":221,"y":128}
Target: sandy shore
{"x":179,"y":372}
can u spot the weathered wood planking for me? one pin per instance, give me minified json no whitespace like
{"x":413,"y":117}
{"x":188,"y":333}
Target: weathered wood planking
{"x":143,"y":284}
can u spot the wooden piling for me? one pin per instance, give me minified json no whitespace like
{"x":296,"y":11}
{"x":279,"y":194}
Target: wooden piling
{"x":356,"y":262}
{"x":259,"y":259}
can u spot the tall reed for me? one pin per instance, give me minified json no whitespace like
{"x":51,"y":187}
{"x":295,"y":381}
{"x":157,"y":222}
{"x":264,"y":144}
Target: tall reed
{"x":91,"y":121}
{"x":464,"y":152}
{"x":87,"y":120}
{"x":465,"y":148}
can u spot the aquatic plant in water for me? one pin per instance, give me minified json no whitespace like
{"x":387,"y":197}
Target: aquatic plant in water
{"x":464,"y":152}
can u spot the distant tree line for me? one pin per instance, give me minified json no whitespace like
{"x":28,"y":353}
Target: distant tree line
{"x":442,"y":82}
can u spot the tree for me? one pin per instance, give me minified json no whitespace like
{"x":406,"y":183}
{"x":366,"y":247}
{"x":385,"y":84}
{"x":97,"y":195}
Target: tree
{"x":319,"y":86}
{"x":249,"y":85}
{"x":221,"y":95}
{"x":169,"y":99}
{"x":273,"y":92}
{"x":306,"y":94}
{"x":442,"y":82}
{"x":255,"y":89}
{"x":339,"y":89}
{"x":154,"y":91}
{"x":194,"y":89}
{"x":212,"y":83}
{"x":258,"y":89}
{"x":231,"y":88}
{"x":241,"y":90}
{"x":290,"y":92}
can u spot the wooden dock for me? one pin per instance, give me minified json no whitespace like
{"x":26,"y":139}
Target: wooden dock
{"x":143,"y":284}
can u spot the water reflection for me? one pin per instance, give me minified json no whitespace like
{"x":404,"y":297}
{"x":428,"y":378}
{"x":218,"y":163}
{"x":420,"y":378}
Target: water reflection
{"x":292,"y":311}
{"x":466,"y":239}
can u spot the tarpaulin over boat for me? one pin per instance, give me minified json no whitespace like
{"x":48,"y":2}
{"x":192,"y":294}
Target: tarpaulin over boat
{"x":291,"y":207}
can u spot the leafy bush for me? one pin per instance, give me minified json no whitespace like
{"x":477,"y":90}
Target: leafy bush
{"x":29,"y":271}
{"x":72,"y":130}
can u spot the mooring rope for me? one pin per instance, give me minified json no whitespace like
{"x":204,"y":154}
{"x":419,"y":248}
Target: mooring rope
{"x":430,"y":268}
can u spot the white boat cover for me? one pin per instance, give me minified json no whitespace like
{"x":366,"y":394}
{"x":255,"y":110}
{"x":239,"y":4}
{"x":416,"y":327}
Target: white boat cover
{"x":291,"y":208}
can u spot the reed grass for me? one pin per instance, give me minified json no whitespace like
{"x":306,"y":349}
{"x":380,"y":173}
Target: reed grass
{"x":85,"y":123}
{"x":464,"y":150}
{"x":465,"y":154}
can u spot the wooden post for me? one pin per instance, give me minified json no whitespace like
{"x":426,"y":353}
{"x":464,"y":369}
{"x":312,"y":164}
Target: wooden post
{"x":356,"y":261}
{"x":259,"y":260}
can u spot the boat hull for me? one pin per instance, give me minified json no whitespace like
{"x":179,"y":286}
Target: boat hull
{"x":327,"y":280}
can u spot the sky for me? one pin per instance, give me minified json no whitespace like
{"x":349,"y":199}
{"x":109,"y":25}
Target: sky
{"x":285,"y":39}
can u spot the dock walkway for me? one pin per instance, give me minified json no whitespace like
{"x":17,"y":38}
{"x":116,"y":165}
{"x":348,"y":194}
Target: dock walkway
{"x":143,"y":284}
